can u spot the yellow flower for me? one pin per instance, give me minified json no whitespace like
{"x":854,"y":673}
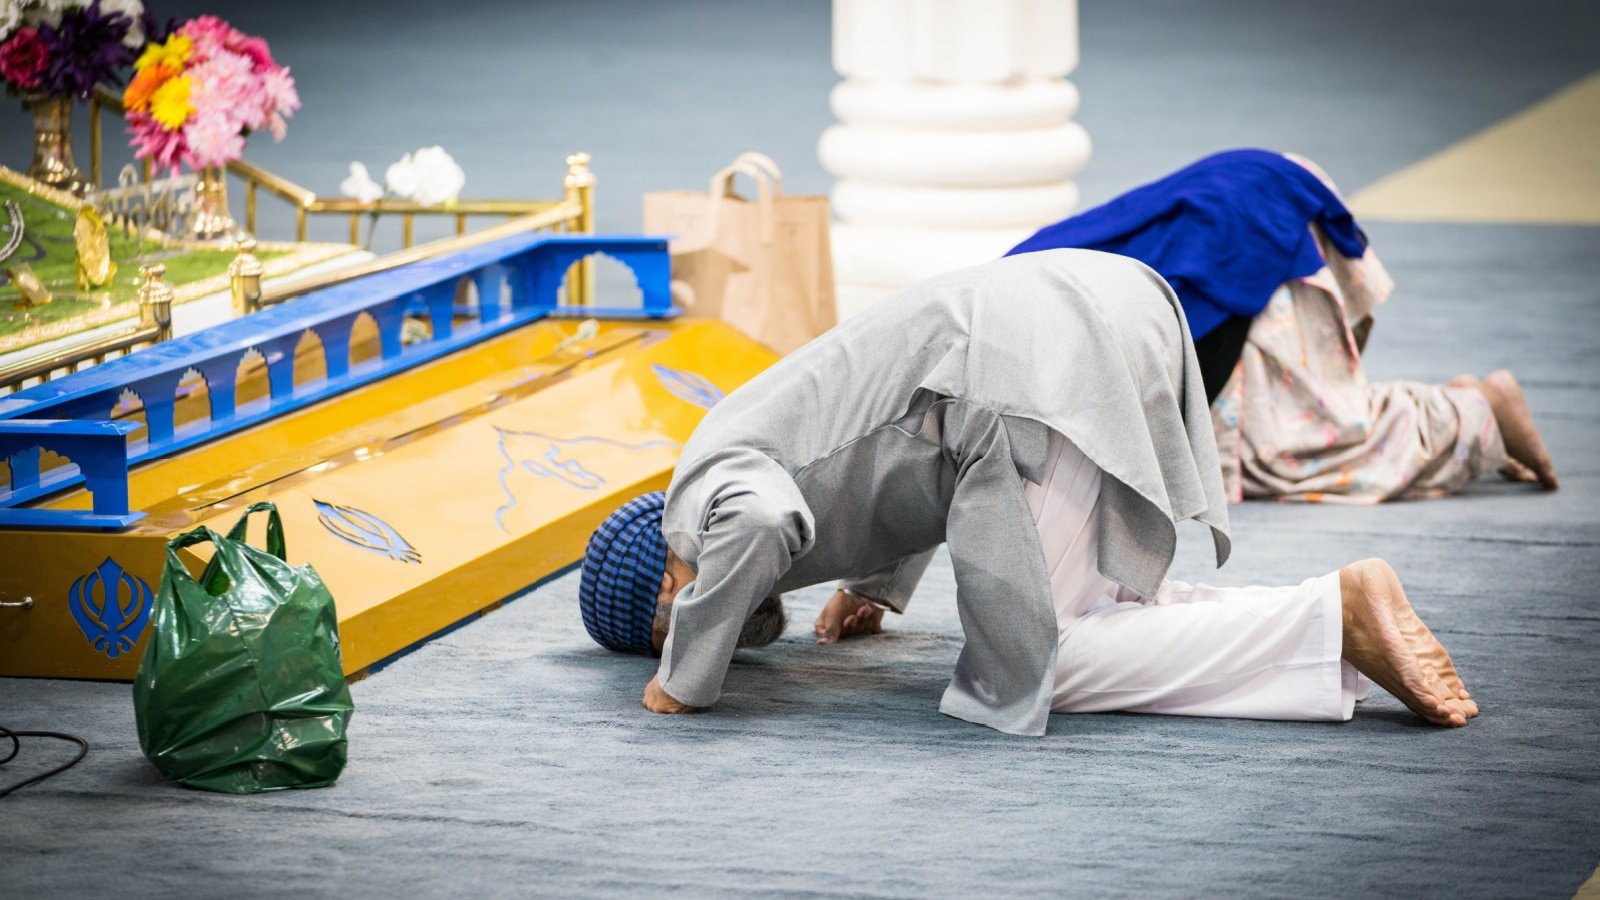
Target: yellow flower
{"x":144,"y":83}
{"x":175,"y":52}
{"x":170,"y":105}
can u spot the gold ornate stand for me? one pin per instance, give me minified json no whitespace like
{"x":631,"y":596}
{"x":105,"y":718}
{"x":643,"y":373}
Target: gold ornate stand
{"x":52,"y":144}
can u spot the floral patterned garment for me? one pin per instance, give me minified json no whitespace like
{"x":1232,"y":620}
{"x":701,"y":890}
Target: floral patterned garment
{"x":1300,"y":421}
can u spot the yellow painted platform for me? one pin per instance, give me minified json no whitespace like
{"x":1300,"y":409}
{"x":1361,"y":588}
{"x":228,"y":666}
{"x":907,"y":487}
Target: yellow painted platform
{"x":421,"y":500}
{"x":1541,"y":166}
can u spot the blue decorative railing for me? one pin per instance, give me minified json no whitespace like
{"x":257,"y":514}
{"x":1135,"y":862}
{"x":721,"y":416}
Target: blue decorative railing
{"x":72,"y":416}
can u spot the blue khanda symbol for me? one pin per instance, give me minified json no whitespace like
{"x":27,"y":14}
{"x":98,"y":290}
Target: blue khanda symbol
{"x":688,"y":386}
{"x":546,"y":458}
{"x":365,"y":530}
{"x":112,"y":608}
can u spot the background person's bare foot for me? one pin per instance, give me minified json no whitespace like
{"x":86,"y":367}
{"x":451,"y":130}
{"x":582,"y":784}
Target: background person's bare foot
{"x":1515,"y":471}
{"x":1512,"y":470}
{"x":1377,"y":645}
{"x":1522,"y":439}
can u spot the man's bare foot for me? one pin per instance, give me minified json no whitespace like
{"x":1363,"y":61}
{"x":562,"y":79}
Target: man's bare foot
{"x":1522,"y":439}
{"x":1385,"y":641}
{"x":1431,"y":655}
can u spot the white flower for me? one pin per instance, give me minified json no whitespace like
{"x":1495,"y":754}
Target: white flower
{"x":42,"y":12}
{"x":360,"y":185}
{"x":131,"y":10}
{"x":429,"y":176}
{"x":10,"y":17}
{"x":49,"y":12}
{"x":401,"y":177}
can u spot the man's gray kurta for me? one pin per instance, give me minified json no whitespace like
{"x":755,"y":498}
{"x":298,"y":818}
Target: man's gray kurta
{"x":914,"y":424}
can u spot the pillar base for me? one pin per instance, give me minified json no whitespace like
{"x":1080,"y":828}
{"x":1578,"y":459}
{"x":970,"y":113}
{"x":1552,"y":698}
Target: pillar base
{"x":896,"y":256}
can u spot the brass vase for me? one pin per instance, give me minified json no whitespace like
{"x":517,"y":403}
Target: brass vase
{"x":211,"y":220}
{"x":52,"y":144}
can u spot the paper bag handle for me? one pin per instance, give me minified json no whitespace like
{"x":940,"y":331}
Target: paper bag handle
{"x":722,"y":182}
{"x":766,"y":164}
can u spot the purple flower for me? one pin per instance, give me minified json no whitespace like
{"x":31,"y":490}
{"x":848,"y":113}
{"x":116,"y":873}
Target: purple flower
{"x":85,"y":49}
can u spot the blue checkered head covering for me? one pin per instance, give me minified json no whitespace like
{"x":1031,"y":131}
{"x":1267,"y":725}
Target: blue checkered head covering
{"x":621,"y":575}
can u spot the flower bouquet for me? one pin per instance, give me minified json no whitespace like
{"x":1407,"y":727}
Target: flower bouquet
{"x":55,"y":51}
{"x":197,"y":96}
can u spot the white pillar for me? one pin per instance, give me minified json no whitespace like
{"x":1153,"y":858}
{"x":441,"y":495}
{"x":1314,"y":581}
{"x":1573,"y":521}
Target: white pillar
{"x":955,"y":137}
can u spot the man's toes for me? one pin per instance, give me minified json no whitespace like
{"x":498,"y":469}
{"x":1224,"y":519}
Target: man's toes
{"x":1451,"y":705}
{"x":1445,"y":713}
{"x":1434,"y":701}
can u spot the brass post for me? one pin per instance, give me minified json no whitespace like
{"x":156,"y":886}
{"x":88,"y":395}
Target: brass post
{"x":300,"y":224}
{"x":250,"y":188}
{"x":94,"y":143}
{"x":580,"y":191}
{"x":155,"y":301}
{"x":408,"y":230}
{"x":244,"y":277}
{"x":355,"y":229}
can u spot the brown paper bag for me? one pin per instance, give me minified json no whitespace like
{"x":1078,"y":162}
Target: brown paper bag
{"x":763,"y":266}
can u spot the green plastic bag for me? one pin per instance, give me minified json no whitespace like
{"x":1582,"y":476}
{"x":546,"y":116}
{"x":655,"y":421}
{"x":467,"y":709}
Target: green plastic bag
{"x":240,"y":689}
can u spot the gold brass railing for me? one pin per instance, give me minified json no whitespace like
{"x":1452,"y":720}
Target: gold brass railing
{"x":154,"y":325}
{"x":574,"y":214}
{"x":288,"y":290}
{"x":306,"y":203}
{"x":249,"y":295}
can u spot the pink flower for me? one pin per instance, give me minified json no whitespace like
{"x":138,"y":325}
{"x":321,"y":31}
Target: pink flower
{"x":165,"y":149}
{"x":213,"y":139}
{"x":282,"y":98}
{"x":256,"y":50}
{"x":210,"y":34}
{"x":226,"y":85}
{"x":23,"y":58}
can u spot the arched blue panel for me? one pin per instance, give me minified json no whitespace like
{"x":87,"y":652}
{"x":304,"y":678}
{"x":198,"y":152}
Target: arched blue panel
{"x":533,"y":265}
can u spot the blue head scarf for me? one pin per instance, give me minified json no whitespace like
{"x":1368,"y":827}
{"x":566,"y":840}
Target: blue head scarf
{"x":1224,"y":232}
{"x":621,"y":575}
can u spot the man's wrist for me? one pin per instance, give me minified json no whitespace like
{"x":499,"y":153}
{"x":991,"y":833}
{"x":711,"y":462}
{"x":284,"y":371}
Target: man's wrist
{"x":866,"y":599}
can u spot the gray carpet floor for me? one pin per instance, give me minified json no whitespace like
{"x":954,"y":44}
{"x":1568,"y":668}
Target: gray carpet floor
{"x":511,"y":758}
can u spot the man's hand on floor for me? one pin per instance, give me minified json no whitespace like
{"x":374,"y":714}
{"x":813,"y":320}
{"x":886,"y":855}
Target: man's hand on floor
{"x":848,"y":615}
{"x":659,"y":701}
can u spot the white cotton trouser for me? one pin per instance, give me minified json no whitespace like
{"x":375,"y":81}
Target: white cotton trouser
{"x":1253,"y":652}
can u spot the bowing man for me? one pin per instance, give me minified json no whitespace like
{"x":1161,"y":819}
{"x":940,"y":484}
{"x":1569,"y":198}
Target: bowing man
{"x":1043,"y":415}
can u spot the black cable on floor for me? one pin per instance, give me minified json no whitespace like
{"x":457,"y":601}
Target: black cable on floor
{"x":16,"y":747}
